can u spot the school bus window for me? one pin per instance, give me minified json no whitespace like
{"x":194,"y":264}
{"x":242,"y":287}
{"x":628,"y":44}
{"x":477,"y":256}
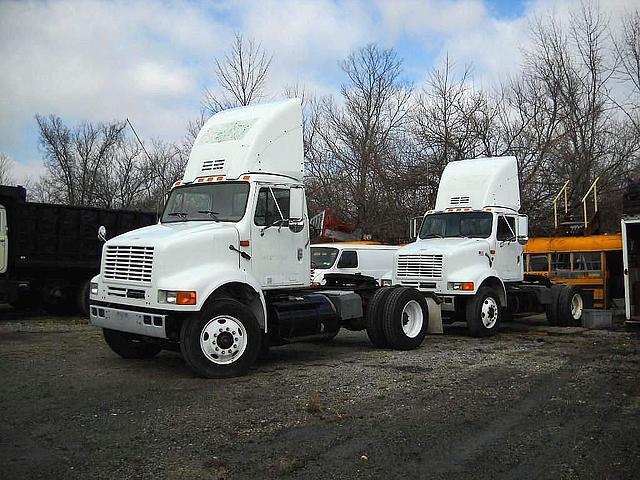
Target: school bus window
{"x":587,"y":261}
{"x":561,"y":261}
{"x":539,"y":263}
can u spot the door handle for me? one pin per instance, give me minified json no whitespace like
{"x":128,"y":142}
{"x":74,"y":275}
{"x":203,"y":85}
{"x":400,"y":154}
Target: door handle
{"x":244,"y":255}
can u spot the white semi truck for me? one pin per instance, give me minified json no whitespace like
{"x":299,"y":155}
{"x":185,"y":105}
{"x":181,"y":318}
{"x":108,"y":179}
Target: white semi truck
{"x":469,"y":252}
{"x":226,"y":270}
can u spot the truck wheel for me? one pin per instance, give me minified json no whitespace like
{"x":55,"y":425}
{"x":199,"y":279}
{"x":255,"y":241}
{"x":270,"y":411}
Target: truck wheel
{"x":129,"y":346}
{"x":375,"y":316}
{"x":406,"y":318}
{"x":483,"y":313}
{"x":570,"y":305}
{"x":551,"y":310}
{"x":222,"y":340}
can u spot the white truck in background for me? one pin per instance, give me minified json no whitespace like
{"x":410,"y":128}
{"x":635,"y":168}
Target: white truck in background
{"x":351,"y":258}
{"x":226,"y":270}
{"x":469,"y":252}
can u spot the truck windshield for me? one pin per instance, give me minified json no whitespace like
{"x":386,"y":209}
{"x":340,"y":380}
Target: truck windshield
{"x":458,"y":224}
{"x":219,"y":202}
{"x":323,"y":257}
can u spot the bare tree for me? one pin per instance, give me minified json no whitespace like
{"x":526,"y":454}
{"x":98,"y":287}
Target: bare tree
{"x":74,"y":157}
{"x":627,"y":50}
{"x":6,"y":168}
{"x":358,"y":140}
{"x":241,"y":75}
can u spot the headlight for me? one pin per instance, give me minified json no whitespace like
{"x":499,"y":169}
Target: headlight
{"x":177,"y":297}
{"x":385,"y":282}
{"x":466,"y":286}
{"x":94,"y":288}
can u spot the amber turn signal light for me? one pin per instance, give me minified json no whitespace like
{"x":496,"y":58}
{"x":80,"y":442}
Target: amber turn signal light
{"x":186,"y":298}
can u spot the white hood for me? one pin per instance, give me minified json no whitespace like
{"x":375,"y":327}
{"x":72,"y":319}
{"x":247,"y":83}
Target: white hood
{"x":443,"y":246}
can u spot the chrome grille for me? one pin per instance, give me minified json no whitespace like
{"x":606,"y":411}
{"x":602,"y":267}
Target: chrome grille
{"x":128,"y":263}
{"x":419,"y":266}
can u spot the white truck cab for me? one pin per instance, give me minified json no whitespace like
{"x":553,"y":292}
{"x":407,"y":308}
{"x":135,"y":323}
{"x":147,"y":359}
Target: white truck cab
{"x":351,"y":258}
{"x":226,"y":270}
{"x":470,"y":247}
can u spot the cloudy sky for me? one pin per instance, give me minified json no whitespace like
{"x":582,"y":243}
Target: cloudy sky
{"x":151,"y":60}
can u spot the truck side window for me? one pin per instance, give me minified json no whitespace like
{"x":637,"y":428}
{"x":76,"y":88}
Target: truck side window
{"x":504,"y":232}
{"x":348,"y":259}
{"x":266,"y":209}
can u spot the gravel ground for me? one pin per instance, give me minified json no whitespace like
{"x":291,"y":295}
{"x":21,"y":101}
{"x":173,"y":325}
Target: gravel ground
{"x":532,"y":402}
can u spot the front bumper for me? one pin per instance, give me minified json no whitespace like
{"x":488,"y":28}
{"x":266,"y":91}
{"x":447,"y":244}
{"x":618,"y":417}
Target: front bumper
{"x":140,"y":323}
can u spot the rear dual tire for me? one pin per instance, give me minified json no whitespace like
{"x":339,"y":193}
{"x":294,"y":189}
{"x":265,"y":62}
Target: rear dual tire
{"x":398,"y":318}
{"x":566,"y":307}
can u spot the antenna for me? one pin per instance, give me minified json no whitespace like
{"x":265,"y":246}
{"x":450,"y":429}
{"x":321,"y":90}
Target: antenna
{"x":138,"y":138}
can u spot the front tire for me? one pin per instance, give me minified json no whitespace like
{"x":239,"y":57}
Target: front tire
{"x":406,"y":318}
{"x":129,"y":346}
{"x":483,"y":313}
{"x":222,"y":340}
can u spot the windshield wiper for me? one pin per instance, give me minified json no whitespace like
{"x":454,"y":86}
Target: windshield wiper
{"x":182,"y":215}
{"x":429,"y":235}
{"x":279,"y":222}
{"x":211,"y":213}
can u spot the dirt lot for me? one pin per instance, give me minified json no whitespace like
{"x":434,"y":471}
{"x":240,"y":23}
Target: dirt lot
{"x":533,"y":402}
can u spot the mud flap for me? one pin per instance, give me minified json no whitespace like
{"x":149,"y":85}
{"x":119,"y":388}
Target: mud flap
{"x":435,"y":317}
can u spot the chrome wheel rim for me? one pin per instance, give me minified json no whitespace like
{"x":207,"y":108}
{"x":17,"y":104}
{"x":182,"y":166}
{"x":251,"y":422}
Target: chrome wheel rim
{"x":577,"y":306}
{"x":489,"y":312}
{"x":223,"y":339}
{"x":412,"y":319}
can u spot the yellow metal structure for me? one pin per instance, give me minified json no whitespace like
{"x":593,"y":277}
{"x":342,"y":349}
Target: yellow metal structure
{"x":555,"y":203}
{"x":593,"y":188}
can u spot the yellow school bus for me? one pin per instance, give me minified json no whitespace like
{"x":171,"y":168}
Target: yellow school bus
{"x":593,"y":262}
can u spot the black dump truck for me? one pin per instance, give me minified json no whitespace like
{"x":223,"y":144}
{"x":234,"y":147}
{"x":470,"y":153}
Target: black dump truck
{"x":48,"y":252}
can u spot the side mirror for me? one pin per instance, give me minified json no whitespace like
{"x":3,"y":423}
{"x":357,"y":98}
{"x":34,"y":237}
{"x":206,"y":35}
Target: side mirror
{"x":523,"y":229}
{"x":296,"y":204}
{"x":102,"y":233}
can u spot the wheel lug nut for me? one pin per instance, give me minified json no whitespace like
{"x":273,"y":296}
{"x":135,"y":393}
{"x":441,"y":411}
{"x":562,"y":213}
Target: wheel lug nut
{"x":235,"y":339}
{"x":235,"y":346}
{"x":227,"y":329}
{"x":217,"y":349}
{"x":233,"y":333}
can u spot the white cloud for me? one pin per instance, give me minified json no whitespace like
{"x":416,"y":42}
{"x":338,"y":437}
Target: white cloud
{"x":150,"y":61}
{"x":98,"y":61}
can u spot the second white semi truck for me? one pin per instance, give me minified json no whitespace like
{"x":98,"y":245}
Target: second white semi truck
{"x":469,"y":252}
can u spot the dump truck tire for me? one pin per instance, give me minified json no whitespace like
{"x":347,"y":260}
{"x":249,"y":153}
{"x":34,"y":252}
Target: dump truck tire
{"x":406,"y":318}
{"x":375,"y":312}
{"x":551,"y":310}
{"x":129,"y":346}
{"x":483,"y":313}
{"x":570,"y":306}
{"x":222,"y":340}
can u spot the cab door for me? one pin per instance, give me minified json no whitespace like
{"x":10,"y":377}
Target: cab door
{"x":280,"y":249}
{"x":4,"y":240}
{"x":508,"y":261}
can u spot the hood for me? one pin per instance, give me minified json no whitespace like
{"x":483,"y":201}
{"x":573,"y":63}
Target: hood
{"x":160,"y":234}
{"x":443,"y":246}
{"x":181,"y":246}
